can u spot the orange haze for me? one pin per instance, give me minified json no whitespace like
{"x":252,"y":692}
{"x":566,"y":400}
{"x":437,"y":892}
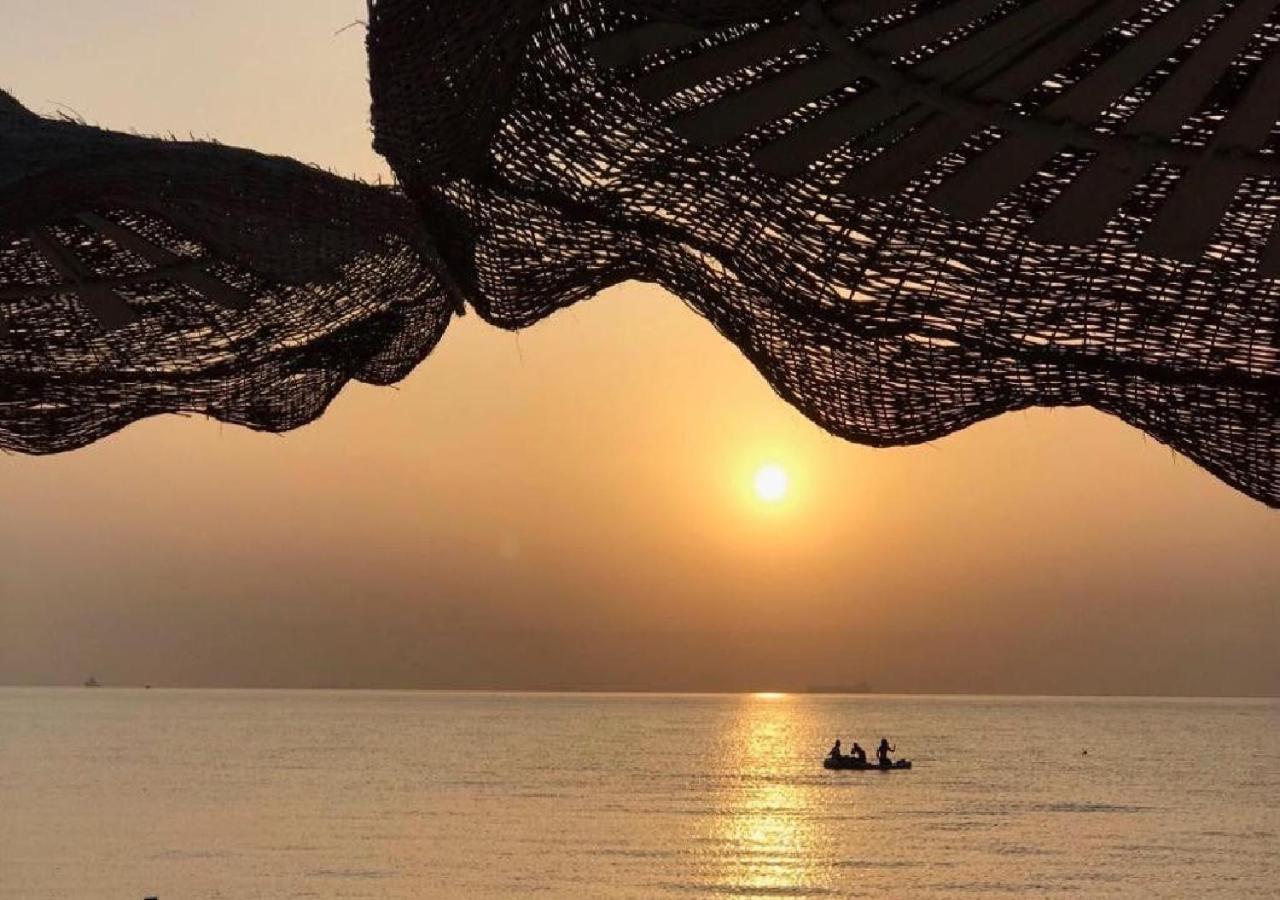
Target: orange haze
{"x":572,"y":506}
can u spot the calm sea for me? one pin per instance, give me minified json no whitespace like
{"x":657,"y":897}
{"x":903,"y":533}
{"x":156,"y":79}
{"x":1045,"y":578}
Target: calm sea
{"x":121,"y":795}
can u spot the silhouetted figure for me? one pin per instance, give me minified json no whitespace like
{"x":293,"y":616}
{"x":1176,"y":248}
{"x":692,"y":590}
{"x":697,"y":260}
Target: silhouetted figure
{"x":857,"y":754}
{"x":835,"y":751}
{"x":882,"y":753}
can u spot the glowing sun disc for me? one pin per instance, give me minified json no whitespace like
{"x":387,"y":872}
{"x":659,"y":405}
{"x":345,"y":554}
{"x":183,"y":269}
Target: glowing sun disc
{"x":772,"y":483}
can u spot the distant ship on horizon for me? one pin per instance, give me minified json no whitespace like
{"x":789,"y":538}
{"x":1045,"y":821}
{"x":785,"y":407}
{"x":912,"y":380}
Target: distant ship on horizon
{"x":862,"y":687}
{"x":91,"y":681}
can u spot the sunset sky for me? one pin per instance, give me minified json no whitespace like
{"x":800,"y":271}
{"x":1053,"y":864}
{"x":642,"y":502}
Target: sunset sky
{"x":574,"y":506}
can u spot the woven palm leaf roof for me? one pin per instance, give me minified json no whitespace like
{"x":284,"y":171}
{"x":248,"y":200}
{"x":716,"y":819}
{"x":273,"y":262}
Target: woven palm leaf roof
{"x":910,"y":215}
{"x":140,"y":276}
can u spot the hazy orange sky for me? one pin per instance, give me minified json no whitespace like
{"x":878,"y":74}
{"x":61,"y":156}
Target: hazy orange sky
{"x":572,"y":506}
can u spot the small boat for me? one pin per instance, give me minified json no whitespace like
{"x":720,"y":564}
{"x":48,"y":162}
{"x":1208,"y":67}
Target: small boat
{"x":92,"y":682}
{"x":846,"y":764}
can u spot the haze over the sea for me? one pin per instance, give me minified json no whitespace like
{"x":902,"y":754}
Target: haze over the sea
{"x":573,"y":506}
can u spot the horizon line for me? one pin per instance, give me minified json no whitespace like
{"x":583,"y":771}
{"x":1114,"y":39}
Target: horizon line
{"x":622,"y":691}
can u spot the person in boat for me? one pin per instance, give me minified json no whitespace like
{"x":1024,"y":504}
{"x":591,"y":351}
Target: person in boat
{"x":882,"y":753}
{"x":857,"y":754}
{"x":835,"y":751}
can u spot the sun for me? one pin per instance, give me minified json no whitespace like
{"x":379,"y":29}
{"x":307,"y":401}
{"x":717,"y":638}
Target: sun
{"x":772,"y":483}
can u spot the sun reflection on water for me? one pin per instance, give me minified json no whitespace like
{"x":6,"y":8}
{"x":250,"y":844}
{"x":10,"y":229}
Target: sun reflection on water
{"x":764,"y":825}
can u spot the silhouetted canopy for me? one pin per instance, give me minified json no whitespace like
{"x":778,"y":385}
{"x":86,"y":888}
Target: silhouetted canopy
{"x":140,"y":277}
{"x":911,"y":215}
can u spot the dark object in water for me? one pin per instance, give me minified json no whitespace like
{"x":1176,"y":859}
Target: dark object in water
{"x":845,"y":764}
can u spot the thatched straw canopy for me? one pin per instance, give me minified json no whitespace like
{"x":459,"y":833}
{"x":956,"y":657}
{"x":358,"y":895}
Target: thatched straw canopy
{"x":911,"y":215}
{"x":140,"y":276}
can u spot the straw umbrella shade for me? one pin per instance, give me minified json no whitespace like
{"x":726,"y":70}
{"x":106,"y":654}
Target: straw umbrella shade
{"x":910,"y":216}
{"x":140,"y":276}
